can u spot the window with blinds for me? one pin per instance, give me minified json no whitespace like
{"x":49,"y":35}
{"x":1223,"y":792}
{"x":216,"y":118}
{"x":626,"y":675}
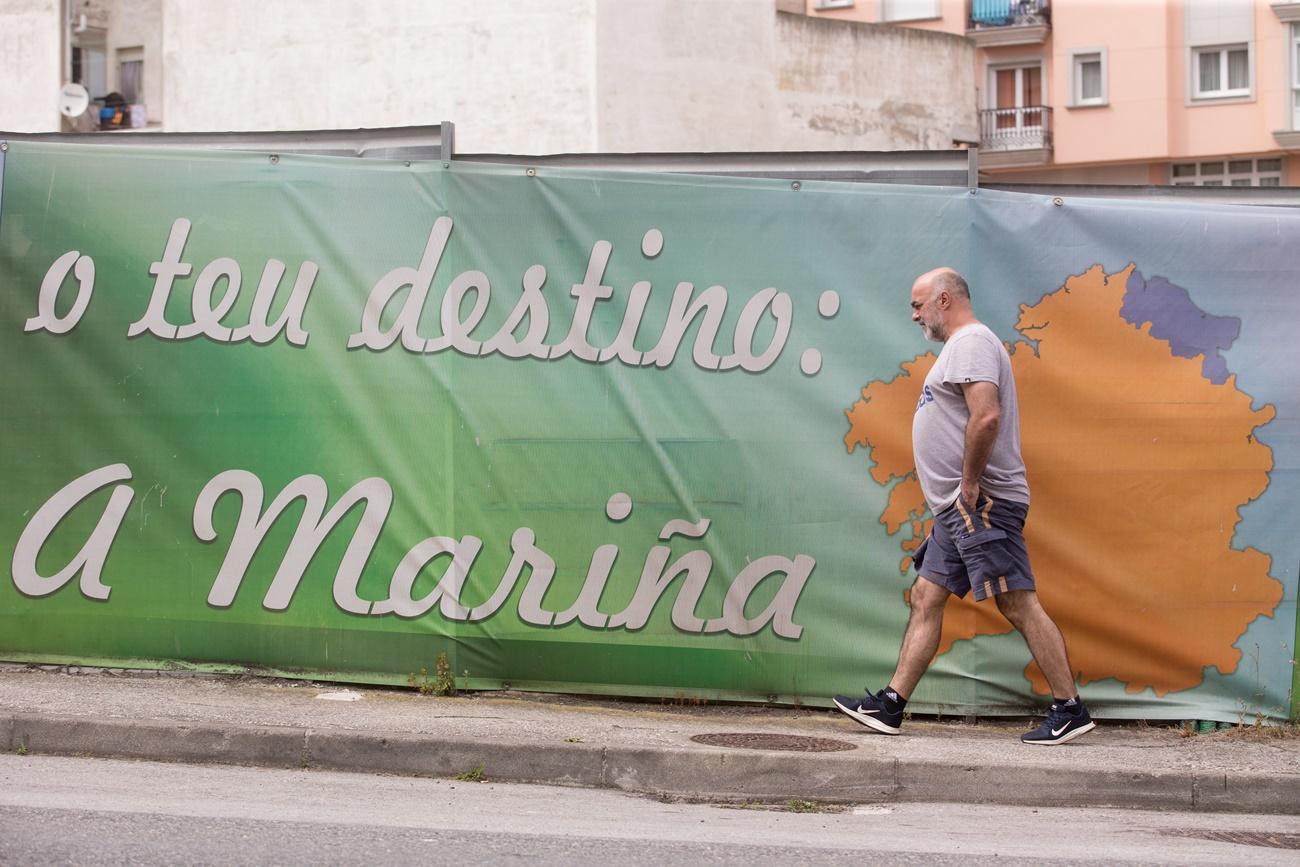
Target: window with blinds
{"x":1264,"y":172}
{"x":1088,"y":77}
{"x":1221,"y":71}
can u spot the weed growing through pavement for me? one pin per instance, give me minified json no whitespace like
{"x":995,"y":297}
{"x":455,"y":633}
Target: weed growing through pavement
{"x":797,"y":805}
{"x":472,"y":776}
{"x":443,"y":681}
{"x":1259,"y":731}
{"x":443,"y":678}
{"x":421,"y":682}
{"x":794,"y":805}
{"x":573,"y":740}
{"x":1255,"y":708}
{"x":22,"y":749}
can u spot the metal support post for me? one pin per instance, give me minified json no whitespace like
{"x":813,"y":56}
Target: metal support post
{"x":446,"y":140}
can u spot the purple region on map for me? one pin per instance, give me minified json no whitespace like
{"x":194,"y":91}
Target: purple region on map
{"x":1175,"y":318}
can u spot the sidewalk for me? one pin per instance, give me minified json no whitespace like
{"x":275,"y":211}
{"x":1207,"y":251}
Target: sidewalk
{"x":633,"y":746}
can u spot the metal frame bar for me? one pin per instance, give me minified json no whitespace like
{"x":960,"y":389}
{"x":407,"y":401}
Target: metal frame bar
{"x":933,"y":168}
{"x":1275,"y":196}
{"x":951,"y":168}
{"x":4,"y":151}
{"x":405,"y":142}
{"x":446,"y":140}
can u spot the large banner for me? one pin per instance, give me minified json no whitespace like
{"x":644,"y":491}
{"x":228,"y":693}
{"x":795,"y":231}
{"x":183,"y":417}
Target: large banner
{"x":627,"y":433}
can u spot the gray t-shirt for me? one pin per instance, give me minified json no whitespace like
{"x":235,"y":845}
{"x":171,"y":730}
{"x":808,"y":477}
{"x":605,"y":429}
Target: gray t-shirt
{"x":972,"y":354}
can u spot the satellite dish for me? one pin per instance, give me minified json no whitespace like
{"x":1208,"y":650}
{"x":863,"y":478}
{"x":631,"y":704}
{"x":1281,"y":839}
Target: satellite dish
{"x":73,"y":100}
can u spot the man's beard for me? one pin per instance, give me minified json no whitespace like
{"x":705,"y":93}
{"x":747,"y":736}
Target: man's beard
{"x":934,"y":333}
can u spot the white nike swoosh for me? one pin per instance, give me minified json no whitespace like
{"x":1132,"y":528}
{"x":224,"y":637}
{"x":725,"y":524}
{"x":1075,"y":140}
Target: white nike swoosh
{"x":1056,"y":733}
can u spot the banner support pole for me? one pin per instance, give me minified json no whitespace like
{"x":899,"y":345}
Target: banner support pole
{"x":446,"y":140}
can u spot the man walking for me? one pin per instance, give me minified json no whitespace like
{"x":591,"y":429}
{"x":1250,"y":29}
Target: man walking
{"x":966,"y":442}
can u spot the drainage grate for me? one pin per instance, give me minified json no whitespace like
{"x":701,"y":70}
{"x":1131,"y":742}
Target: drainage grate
{"x":765,"y":741}
{"x":1245,"y":838}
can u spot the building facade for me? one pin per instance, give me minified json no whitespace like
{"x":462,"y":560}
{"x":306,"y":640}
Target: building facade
{"x":30,"y":64}
{"x":531,"y":76}
{"x":1182,"y":92}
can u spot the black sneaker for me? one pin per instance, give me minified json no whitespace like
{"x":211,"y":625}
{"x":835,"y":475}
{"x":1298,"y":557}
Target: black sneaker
{"x":872,"y":712}
{"x":1063,"y":724}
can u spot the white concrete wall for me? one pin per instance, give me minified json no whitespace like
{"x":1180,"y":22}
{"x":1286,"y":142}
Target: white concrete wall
{"x":872,"y":87}
{"x":513,"y":76}
{"x":31,"y":49}
{"x":685,"y":75}
{"x":529,"y":76}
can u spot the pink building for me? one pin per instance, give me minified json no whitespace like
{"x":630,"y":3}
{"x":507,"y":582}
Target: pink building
{"x":1184,"y":92}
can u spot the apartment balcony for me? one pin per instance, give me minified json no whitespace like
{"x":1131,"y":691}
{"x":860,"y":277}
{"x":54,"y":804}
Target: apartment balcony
{"x":1016,"y":136}
{"x":1009,"y":22}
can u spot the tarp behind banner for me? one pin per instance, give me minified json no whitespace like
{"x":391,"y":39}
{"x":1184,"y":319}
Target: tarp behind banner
{"x":622,"y":433}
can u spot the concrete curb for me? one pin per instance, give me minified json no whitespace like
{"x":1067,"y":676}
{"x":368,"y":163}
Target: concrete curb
{"x":696,"y":774}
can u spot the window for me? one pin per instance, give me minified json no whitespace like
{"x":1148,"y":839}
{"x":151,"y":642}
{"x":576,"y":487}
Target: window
{"x":908,"y":10}
{"x":89,"y":69}
{"x":1088,"y":77}
{"x":1266,"y":172}
{"x":1018,"y":96}
{"x":130,"y":74}
{"x":1295,"y":76}
{"x":1221,"y":72}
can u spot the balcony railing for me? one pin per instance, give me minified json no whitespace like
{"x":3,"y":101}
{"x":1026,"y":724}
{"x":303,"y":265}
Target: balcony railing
{"x":1016,"y":129}
{"x":1009,"y":13}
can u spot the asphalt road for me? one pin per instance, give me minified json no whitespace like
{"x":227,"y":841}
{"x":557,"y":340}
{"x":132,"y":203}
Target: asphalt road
{"x":96,"y":811}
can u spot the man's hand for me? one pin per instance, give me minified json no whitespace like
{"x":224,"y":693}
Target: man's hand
{"x":970,"y":494}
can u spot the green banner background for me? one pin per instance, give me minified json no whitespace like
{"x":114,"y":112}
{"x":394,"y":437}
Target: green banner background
{"x":486,"y":445}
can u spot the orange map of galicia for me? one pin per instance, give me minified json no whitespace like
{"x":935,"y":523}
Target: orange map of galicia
{"x":1141,"y":452}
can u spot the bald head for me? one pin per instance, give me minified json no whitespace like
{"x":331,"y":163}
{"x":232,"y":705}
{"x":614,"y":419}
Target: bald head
{"x":941,"y":303}
{"x":946,"y":280}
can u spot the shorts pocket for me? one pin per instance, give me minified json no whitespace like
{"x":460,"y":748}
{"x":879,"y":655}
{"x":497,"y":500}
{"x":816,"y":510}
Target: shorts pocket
{"x":978,"y":539}
{"x":987,"y":556}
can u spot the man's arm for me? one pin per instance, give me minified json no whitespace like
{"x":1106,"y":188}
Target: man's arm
{"x":981,"y":433}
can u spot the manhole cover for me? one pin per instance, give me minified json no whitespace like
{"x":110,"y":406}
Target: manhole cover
{"x":765,"y":741}
{"x":1245,"y":838}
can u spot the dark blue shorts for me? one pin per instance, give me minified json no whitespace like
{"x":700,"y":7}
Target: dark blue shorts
{"x":981,"y":550}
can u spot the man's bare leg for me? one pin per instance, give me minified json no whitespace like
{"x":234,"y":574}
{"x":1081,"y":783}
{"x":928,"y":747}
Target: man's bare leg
{"x":921,"y":639}
{"x":1045,"y":642}
{"x":884,"y":710}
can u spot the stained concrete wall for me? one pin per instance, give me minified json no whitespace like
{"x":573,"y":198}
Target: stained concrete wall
{"x":737,"y":75}
{"x":31,"y":51}
{"x":872,"y":87}
{"x":539,"y":76}
{"x":529,"y":76}
{"x":513,"y":76}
